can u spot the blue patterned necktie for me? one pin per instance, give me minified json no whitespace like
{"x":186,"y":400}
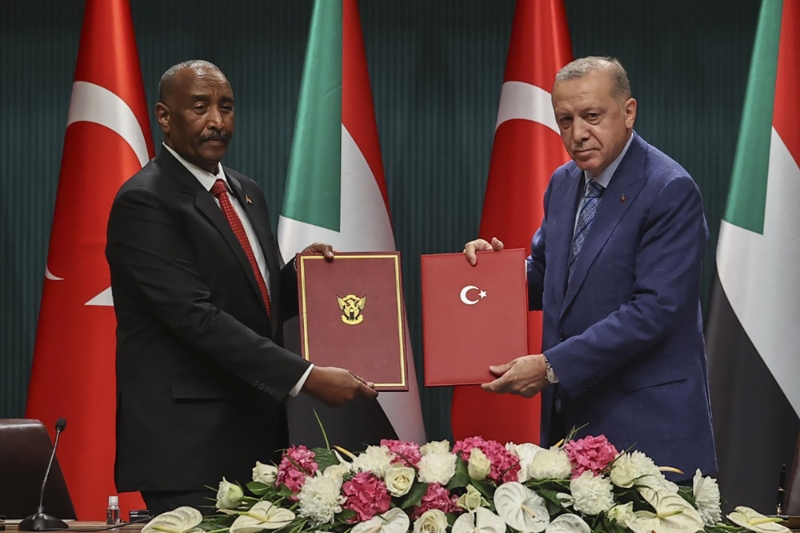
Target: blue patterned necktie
{"x":588,"y":210}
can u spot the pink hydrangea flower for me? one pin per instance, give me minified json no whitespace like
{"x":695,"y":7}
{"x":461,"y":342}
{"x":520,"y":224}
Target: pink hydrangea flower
{"x":505,"y":466}
{"x":405,"y":452}
{"x":366,"y":495}
{"x":437,"y":497}
{"x":296,"y":465}
{"x":590,"y":453}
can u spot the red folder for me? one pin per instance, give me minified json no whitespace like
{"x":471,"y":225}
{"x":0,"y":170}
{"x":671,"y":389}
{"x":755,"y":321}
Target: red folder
{"x":472,"y":316}
{"x":351,"y":315}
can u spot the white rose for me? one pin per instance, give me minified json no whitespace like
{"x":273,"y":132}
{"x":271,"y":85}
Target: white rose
{"x":228,"y":495}
{"x":593,"y":494}
{"x":431,"y":521}
{"x":399,"y":479}
{"x":472,"y":499}
{"x":375,"y":459}
{"x":550,"y":464}
{"x":525,"y":453}
{"x":437,"y":468}
{"x":479,"y":465}
{"x":707,"y":498}
{"x":266,"y":474}
{"x":437,"y":446}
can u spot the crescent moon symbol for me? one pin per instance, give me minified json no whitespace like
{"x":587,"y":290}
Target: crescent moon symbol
{"x":464,"y":292}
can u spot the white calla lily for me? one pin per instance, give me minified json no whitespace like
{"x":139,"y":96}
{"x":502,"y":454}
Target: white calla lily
{"x":521,"y":508}
{"x":755,"y":521}
{"x":392,"y":521}
{"x":263,"y":515}
{"x":181,"y":520}
{"x":568,"y":523}
{"x":673,"y":513}
{"x":481,"y":521}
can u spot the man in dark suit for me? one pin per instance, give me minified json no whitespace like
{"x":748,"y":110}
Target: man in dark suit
{"x":200,"y":297}
{"x":615,"y":268}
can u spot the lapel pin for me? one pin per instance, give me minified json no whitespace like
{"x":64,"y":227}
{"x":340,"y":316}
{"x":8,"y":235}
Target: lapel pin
{"x":623,"y":197}
{"x":249,"y":201}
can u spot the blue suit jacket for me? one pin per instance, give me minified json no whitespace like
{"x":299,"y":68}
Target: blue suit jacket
{"x":625,"y":336}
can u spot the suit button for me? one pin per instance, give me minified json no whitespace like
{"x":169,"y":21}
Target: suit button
{"x":261,"y":386}
{"x":255,"y":383}
{"x":558,"y":405}
{"x":562,"y":336}
{"x":272,"y":393}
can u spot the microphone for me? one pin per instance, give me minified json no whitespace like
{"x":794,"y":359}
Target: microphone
{"x":40,"y":521}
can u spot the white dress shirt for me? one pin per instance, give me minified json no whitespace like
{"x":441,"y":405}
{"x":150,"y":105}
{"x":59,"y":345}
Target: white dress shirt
{"x":207,"y":180}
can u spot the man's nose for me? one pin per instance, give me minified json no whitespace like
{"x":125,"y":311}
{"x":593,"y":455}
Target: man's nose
{"x":580,"y":131}
{"x":214,"y":118}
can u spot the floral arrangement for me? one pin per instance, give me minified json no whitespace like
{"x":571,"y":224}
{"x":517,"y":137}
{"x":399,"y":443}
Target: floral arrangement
{"x":477,"y":486}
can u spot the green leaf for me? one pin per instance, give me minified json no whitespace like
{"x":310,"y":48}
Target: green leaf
{"x":346,"y":515}
{"x":414,"y":496}
{"x":461,"y":478}
{"x":550,"y":496}
{"x":325,"y":458}
{"x":285,"y":491}
{"x":258,"y":488}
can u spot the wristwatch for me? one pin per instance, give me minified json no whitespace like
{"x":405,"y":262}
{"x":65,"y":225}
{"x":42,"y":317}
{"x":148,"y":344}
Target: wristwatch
{"x":550,"y":374}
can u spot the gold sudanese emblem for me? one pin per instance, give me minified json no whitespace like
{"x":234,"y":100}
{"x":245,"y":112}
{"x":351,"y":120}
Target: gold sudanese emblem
{"x":351,"y":306}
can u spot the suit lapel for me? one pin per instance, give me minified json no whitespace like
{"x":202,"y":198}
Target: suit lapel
{"x":627,"y":181}
{"x":267,"y":247}
{"x":204,"y":202}
{"x":561,"y":234}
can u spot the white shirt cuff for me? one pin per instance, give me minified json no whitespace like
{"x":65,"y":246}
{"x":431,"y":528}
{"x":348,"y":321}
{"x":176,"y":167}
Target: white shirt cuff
{"x":302,"y":381}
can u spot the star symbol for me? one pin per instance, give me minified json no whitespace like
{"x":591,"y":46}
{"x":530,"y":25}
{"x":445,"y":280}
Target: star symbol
{"x":482,"y":294}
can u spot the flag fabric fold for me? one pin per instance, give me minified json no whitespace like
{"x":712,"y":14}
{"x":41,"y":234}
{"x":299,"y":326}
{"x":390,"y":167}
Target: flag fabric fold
{"x":336,"y":193}
{"x":752,"y":336}
{"x":527,"y":149}
{"x":107,"y":140}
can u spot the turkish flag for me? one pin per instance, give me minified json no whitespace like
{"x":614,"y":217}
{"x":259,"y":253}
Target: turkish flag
{"x":527,"y":149}
{"x":107,"y":141}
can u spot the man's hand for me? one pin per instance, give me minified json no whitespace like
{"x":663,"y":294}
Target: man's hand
{"x":335,"y":386}
{"x":320,"y":248}
{"x":524,"y":376}
{"x":479,"y":245}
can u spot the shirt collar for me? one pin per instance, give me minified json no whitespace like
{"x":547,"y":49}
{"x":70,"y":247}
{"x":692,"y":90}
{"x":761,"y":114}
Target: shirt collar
{"x":206,"y":178}
{"x":604,"y":178}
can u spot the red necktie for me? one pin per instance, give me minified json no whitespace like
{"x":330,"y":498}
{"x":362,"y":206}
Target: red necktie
{"x":220,"y":190}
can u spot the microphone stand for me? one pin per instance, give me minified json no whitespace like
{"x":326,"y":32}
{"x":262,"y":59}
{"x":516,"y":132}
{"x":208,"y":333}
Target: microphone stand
{"x":40,"y":521}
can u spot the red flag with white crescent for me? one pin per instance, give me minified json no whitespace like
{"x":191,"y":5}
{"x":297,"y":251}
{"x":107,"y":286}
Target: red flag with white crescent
{"x":107,"y":140}
{"x":527,"y":149}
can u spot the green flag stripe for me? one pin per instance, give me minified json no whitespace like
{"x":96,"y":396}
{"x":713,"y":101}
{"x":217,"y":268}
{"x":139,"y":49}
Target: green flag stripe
{"x":747,"y":197}
{"x":315,"y":160}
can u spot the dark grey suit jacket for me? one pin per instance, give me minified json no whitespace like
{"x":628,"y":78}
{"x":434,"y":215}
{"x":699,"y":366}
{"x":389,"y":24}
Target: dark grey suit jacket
{"x":201,"y":375}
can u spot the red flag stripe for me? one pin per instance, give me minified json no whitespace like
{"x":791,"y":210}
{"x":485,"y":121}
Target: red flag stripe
{"x":787,"y":84}
{"x":358,"y":114}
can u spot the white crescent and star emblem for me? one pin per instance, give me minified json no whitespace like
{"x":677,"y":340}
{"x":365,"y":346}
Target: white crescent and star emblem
{"x":467,"y":301}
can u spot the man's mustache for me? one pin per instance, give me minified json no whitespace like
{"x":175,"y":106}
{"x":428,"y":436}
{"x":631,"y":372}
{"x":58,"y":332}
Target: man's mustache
{"x":215,"y":135}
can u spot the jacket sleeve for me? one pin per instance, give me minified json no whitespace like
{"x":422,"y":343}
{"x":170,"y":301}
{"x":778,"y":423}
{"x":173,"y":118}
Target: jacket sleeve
{"x":148,"y":255}
{"x":536,"y":261}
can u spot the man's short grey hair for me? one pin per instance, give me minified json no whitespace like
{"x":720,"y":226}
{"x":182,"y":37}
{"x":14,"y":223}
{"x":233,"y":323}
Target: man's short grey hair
{"x":169,"y":75}
{"x":583,"y":66}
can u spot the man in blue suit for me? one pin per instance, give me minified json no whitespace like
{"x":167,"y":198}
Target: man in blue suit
{"x":615,"y":267}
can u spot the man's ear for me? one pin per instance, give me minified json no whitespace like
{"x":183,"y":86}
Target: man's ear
{"x":162,"y":116}
{"x":630,"y":112}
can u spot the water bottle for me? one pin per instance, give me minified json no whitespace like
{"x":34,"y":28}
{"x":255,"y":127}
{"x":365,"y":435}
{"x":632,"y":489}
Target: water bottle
{"x":112,"y":513}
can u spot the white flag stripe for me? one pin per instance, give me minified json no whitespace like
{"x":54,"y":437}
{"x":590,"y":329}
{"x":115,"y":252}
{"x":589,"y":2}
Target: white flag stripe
{"x":364,"y":227}
{"x":768,"y":309}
